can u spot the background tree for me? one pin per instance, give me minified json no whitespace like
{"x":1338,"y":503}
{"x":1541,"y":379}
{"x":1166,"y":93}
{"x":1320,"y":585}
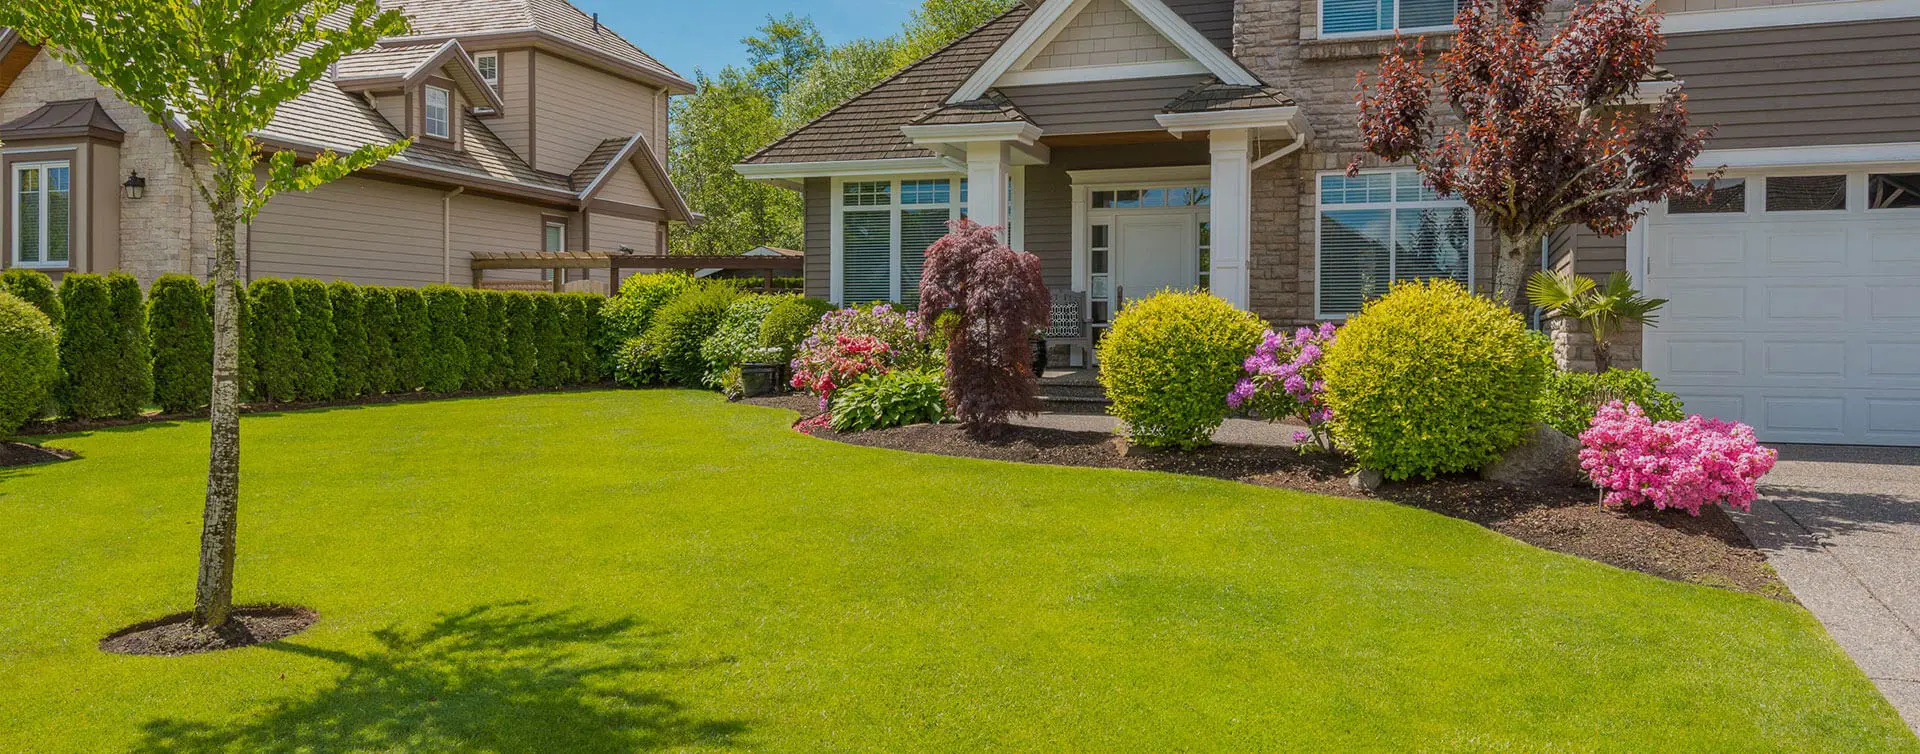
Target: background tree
{"x":782,"y":52}
{"x":1545,"y":133}
{"x":211,"y":74}
{"x":1000,"y":299}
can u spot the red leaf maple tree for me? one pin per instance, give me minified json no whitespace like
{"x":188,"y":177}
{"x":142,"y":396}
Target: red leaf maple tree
{"x":1547,"y":129}
{"x":1000,"y":299}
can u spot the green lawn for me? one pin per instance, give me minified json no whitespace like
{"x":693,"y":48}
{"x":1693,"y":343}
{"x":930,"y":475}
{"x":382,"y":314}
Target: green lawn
{"x":632,"y":570}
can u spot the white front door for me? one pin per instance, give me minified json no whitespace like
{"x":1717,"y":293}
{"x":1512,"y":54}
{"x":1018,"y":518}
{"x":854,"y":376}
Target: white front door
{"x":1157,"y":252}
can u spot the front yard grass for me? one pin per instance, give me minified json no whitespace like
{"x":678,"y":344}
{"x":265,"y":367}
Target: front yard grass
{"x":627,"y":570}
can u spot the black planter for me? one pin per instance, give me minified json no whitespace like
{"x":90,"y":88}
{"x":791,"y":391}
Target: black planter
{"x":1039,"y":356}
{"x":758,"y":379}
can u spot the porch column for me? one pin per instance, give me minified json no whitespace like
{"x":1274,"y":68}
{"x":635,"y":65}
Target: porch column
{"x":1232,"y":213}
{"x":987,"y":170}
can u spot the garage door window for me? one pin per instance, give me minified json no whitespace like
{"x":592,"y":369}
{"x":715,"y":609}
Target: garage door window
{"x":1807,"y":193}
{"x":1893,"y":190}
{"x":1729,"y":197}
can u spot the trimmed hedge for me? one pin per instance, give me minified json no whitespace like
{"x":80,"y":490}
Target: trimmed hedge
{"x":411,"y":335}
{"x":1169,"y":362}
{"x":34,"y":287}
{"x":314,"y":328}
{"x":377,"y":305}
{"x":133,"y":375}
{"x":181,"y":326}
{"x":549,"y":340}
{"x":31,"y":354}
{"x":522,"y":353}
{"x":273,"y":332}
{"x":349,"y":339}
{"x":584,"y":333}
{"x":89,"y":351}
{"x":445,"y":364}
{"x":484,"y":341}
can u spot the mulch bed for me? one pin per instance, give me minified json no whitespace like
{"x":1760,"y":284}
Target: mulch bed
{"x":176,"y":635}
{"x":22,"y":454}
{"x":1708,"y":549}
{"x":70,"y":426}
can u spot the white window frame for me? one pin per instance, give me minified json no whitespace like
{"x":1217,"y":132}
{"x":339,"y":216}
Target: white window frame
{"x":492,"y":56}
{"x":46,"y":234}
{"x":1319,"y":238}
{"x":839,"y":208}
{"x":1321,"y":7}
{"x":426,"y":112}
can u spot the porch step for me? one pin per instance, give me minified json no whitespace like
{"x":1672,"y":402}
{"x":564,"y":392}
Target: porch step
{"x":1073,"y":391}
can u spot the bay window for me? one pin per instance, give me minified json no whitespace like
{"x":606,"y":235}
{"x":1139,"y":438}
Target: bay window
{"x":1382,"y":227}
{"x":42,"y":214}
{"x":1366,"y":17}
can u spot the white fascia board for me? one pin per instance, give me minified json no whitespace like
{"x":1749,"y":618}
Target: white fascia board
{"x":1799,"y":14}
{"x":949,"y":133}
{"x":1041,"y":26}
{"x":1287,"y":117}
{"x":1029,"y":34}
{"x":1120,"y":72}
{"x":1790,"y":157}
{"x":791,"y":171}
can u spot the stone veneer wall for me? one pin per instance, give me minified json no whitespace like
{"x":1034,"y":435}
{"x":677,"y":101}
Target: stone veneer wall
{"x":1573,"y":346}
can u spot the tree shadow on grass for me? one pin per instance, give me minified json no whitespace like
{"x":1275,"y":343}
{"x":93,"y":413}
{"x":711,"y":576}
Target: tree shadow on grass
{"x":502,"y":677}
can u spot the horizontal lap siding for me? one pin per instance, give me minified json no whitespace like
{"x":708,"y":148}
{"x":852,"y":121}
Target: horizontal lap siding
{"x":1808,"y":85}
{"x":1099,"y":106}
{"x":1212,"y":18}
{"x":819,"y":237}
{"x":578,"y":107}
{"x":626,"y":186}
{"x":365,"y":231}
{"x":485,"y":224}
{"x":609,"y":233}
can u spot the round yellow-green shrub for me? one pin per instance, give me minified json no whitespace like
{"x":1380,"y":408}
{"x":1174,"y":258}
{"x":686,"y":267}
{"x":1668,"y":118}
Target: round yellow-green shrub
{"x":1170,"y":360}
{"x":1432,"y":379}
{"x":29,"y":361}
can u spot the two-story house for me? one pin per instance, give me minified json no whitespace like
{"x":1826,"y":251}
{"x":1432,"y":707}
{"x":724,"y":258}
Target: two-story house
{"x":1146,"y":144}
{"x":535,"y":128}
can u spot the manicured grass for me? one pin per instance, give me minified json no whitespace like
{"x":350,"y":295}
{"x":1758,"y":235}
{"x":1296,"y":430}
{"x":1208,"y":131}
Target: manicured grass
{"x":627,"y":570}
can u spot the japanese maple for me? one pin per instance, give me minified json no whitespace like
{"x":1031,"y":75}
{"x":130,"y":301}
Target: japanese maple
{"x":1000,"y":299}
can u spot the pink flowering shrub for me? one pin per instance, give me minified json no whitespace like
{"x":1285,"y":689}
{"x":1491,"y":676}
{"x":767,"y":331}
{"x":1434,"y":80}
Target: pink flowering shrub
{"x":852,"y":343}
{"x":1283,"y":380}
{"x":1683,"y":464}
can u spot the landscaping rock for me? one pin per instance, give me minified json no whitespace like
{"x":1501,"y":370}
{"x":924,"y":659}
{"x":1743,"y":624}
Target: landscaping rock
{"x":1365,"y":480}
{"x":1547,"y":457}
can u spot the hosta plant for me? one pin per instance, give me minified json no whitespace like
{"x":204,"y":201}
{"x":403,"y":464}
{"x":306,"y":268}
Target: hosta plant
{"x":1687,"y":464}
{"x":1283,"y":382}
{"x":893,"y":399}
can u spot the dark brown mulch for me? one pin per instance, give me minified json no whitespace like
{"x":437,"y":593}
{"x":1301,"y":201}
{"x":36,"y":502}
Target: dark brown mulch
{"x":69,"y":426}
{"x":175,"y":635}
{"x":1709,"y":549}
{"x":22,"y":454}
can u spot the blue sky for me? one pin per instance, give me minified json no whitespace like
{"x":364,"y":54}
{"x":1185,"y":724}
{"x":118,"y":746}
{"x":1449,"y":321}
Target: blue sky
{"x":705,"y":34}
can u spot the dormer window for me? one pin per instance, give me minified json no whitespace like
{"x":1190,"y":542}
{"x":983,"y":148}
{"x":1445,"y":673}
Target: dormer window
{"x":439,"y":113}
{"x":488,"y":64}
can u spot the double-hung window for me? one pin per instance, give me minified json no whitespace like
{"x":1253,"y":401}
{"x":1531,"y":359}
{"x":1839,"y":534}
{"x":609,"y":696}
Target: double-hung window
{"x":885,"y":229}
{"x":42,"y":214}
{"x":1382,"y":227}
{"x":439,"y":113}
{"x":488,"y":63}
{"x":1363,"y":17}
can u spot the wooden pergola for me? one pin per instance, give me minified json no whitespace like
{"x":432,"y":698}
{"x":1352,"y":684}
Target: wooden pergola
{"x":614,"y":262}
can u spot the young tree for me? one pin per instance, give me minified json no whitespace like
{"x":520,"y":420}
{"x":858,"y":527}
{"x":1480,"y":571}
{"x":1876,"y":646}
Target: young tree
{"x":1000,"y":299}
{"x":211,"y":74}
{"x":1605,"y":309}
{"x":1546,"y":134}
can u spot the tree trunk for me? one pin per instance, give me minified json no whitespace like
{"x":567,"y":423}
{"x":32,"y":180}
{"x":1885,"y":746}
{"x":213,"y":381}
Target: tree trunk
{"x":1512,"y":261}
{"x":1602,"y":352}
{"x":213,"y":597}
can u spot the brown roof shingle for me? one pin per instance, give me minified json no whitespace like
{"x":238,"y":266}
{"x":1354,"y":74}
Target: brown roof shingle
{"x":384,"y":62}
{"x":992,"y":108}
{"x":559,"y":18}
{"x":1213,"y":96}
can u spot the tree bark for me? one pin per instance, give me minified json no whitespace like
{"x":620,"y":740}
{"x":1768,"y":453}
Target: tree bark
{"x":1602,"y":354}
{"x":213,"y":597}
{"x":1513,"y":259}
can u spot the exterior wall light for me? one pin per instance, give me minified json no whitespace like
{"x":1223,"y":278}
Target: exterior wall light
{"x":135,"y":187}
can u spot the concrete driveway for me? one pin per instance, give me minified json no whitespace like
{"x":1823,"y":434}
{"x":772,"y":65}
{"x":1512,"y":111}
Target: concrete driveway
{"x":1842,"y":527}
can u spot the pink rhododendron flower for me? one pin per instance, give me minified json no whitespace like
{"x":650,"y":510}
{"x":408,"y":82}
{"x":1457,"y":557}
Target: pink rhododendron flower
{"x":1283,"y":380}
{"x":1684,"y":464}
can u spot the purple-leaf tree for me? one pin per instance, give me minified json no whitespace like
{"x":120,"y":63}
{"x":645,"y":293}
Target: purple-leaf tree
{"x":1547,"y":130}
{"x":999,"y":299}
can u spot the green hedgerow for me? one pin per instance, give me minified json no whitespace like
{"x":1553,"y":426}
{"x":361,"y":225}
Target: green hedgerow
{"x":446,"y":359}
{"x":377,"y":305}
{"x":34,"y":287}
{"x":682,"y":325}
{"x":314,"y":329}
{"x":274,"y":332}
{"x":788,"y":323}
{"x":31,"y":353}
{"x":592,"y":367}
{"x":1432,"y":379}
{"x":182,"y":331}
{"x":1170,"y":360}
{"x":549,"y":341}
{"x":412,"y":336}
{"x":483,"y":338}
{"x":626,"y":316}
{"x":89,"y":353}
{"x":1570,"y":399}
{"x":892,"y":399}
{"x":133,"y":372}
{"x":737,"y":339}
{"x":349,"y":339}
{"x":522,"y":353}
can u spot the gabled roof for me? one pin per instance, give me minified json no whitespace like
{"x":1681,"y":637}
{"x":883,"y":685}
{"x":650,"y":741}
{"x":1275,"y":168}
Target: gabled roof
{"x":1055,"y":15}
{"x":555,"y":22}
{"x":636,"y":152}
{"x":67,"y":119}
{"x":387,"y":67}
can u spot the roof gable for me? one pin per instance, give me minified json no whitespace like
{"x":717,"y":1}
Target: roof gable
{"x":1105,"y":32}
{"x":1056,"y":17}
{"x":614,"y":155}
{"x":405,"y":66}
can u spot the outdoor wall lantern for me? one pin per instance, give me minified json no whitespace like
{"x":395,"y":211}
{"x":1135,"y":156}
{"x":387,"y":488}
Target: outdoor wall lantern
{"x":135,"y":186}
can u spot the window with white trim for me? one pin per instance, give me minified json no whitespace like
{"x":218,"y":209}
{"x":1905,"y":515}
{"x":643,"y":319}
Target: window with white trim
{"x":885,"y":229}
{"x":553,"y":239}
{"x":488,"y":63}
{"x":1360,"y":17}
{"x":439,"y":112}
{"x":42,"y":214}
{"x":1382,"y":227}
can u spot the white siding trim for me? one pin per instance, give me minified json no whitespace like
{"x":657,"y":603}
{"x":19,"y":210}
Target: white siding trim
{"x":1119,"y":72}
{"x":1764,"y":158}
{"x":1799,"y":14}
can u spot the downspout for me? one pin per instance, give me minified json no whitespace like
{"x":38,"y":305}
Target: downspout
{"x":446,"y":233}
{"x":1299,"y":140}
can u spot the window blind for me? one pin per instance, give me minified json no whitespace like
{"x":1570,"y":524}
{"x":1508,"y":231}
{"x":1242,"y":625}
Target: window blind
{"x":866,"y":262}
{"x":919,"y":229}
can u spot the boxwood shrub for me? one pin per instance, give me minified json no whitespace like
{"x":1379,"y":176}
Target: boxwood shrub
{"x":34,"y":287}
{"x":32,"y":357}
{"x":1168,"y":363}
{"x":182,"y":331}
{"x":1570,"y":399}
{"x":314,"y":328}
{"x":1432,"y":379}
{"x":349,"y":339}
{"x":411,"y":338}
{"x":681,"y":326}
{"x":377,"y":304}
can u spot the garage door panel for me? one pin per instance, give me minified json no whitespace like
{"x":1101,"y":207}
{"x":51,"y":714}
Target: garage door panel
{"x":1893,"y":251}
{"x":1702,"y":359}
{"x":1713,"y":405}
{"x":1894,"y":419}
{"x":1704,"y":304}
{"x":1893,"y":362}
{"x":1791,"y":359}
{"x":1803,"y":414}
{"x":1798,"y":249}
{"x":1806,"y":302}
{"x":1700,"y":250}
{"x":1894,"y":302}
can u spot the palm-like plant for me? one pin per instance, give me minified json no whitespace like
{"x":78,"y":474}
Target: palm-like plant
{"x":1604,"y":308}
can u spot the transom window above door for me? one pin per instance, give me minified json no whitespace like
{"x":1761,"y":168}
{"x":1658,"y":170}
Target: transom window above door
{"x":1148,"y":198}
{"x":1382,"y":227}
{"x":42,"y":214}
{"x":1363,"y":17}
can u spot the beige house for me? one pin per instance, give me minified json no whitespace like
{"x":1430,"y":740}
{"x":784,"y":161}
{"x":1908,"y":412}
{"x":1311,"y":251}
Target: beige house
{"x":536,"y":128}
{"x":1146,"y":144}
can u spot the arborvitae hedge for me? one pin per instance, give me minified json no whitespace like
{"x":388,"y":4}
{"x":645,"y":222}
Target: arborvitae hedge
{"x":483,"y":340}
{"x":315,"y":330}
{"x":349,"y":339}
{"x":411,"y":335}
{"x":34,"y":287}
{"x":274,"y":337}
{"x":446,"y":360}
{"x":378,"y":306}
{"x":522,"y":354}
{"x":583,"y":334}
{"x":133,"y":373}
{"x":182,"y":331}
{"x":549,"y":342}
{"x":88,"y":352}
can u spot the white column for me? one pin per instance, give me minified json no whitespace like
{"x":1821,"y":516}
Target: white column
{"x":1232,"y":210}
{"x":987,"y":168}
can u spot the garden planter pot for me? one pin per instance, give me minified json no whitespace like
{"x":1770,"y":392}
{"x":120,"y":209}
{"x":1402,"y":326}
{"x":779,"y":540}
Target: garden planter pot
{"x":758,"y":379}
{"x":1039,"y":356}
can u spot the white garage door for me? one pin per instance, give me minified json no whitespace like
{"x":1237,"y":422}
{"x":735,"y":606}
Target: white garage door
{"x":1799,"y":314}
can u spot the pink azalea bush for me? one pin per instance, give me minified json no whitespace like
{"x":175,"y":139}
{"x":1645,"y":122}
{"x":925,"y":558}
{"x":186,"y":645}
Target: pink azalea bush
{"x":1283,"y":380}
{"x":1685,"y":464}
{"x":855,"y":342}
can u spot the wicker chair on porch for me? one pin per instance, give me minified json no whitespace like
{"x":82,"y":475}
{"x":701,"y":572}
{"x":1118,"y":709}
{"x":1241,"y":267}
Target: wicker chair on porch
{"x":1071,"y":322}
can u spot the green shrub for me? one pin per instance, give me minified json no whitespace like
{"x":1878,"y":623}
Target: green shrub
{"x":1432,"y":379}
{"x":445,"y":363}
{"x":737,"y":339}
{"x":1169,"y":362}
{"x":634,"y":365}
{"x":1569,"y":400}
{"x":549,"y":341}
{"x":314,"y":328}
{"x":626,"y":316}
{"x":243,"y":314}
{"x":274,"y":327}
{"x":682,"y":325}
{"x":483,"y":340}
{"x":381,"y":323}
{"x":29,"y":349}
{"x":892,"y":399}
{"x":349,"y":339}
{"x":89,"y":349}
{"x":787,"y":323}
{"x":133,"y":371}
{"x":182,"y":331}
{"x":586,"y":337}
{"x":412,"y":336}
{"x":522,"y":354}
{"x":34,"y":287}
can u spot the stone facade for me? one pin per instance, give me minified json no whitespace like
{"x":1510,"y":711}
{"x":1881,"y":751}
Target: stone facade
{"x":1573,"y":345}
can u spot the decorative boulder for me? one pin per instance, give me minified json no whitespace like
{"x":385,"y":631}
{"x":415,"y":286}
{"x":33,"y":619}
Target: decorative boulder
{"x":1547,"y":457}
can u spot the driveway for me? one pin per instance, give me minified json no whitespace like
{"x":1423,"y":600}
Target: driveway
{"x":1842,"y":526}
